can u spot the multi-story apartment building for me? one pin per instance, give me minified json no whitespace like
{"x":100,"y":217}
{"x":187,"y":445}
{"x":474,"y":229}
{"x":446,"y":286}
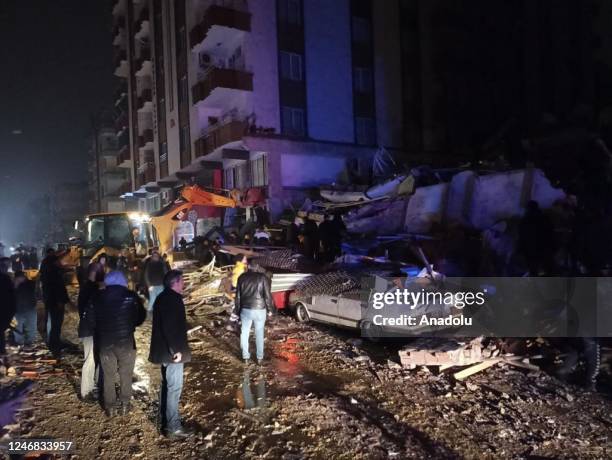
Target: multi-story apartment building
{"x":107,"y":181}
{"x":273,"y":95}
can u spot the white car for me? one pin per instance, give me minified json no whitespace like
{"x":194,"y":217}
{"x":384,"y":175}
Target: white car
{"x":350,"y":310}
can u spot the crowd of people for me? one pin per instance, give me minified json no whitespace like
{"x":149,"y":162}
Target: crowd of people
{"x":110,"y":309}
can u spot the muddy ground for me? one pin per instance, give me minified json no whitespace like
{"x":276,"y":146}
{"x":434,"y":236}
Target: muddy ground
{"x":325,"y":395}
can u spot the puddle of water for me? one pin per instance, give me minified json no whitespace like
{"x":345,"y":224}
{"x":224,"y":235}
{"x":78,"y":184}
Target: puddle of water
{"x":252,"y":393}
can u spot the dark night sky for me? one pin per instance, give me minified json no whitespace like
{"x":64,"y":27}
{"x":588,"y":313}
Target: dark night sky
{"x":56,"y":58}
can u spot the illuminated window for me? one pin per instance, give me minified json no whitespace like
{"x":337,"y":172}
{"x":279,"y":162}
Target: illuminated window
{"x":259,"y":173}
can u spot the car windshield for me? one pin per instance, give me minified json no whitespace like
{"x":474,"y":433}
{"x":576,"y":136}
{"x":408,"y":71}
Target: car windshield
{"x":120,"y":231}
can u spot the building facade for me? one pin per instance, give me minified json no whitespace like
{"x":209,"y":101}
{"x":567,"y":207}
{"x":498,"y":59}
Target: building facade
{"x":274,"y":95}
{"x":107,"y":181}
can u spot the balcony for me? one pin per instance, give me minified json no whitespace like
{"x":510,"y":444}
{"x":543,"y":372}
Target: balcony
{"x":126,"y":187}
{"x":119,"y":24}
{"x":219,"y":135}
{"x":145,"y":96}
{"x":217,"y":77}
{"x":232,"y":15}
{"x":145,"y":56}
{"x":145,"y":137}
{"x":124,"y":159}
{"x":142,"y":17}
{"x":120,"y":55}
{"x":149,"y":173}
{"x":120,"y":93}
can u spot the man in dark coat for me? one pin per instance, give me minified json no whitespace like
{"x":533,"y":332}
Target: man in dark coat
{"x":87,"y":293}
{"x":25,"y":313}
{"x":169,"y":347}
{"x":7,"y":301}
{"x":114,"y":315}
{"x":55,"y":297}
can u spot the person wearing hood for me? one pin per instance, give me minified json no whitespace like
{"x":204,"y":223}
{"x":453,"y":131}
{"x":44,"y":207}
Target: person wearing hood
{"x":113,"y":316}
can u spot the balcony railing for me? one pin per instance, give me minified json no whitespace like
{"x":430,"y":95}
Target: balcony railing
{"x":146,"y":136}
{"x":219,"y":135}
{"x":232,"y":14}
{"x":217,"y":77}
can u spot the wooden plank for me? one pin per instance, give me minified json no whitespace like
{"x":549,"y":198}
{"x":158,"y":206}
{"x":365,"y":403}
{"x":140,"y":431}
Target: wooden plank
{"x":443,"y":367}
{"x":521,"y":364}
{"x":465,"y":373}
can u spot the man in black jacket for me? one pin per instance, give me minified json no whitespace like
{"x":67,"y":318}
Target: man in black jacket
{"x":253,"y":300}
{"x":55,"y":297}
{"x":7,"y":301}
{"x":169,"y":347}
{"x":114,"y":315}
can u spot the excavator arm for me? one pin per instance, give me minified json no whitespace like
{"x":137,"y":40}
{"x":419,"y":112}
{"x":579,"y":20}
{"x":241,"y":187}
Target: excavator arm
{"x":190,"y":196}
{"x":197,"y":196}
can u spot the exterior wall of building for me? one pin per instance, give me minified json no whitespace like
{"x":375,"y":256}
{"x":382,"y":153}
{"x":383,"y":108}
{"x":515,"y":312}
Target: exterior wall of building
{"x":326,"y":92}
{"x":388,"y":74}
{"x":261,"y":54}
{"x":329,"y":80}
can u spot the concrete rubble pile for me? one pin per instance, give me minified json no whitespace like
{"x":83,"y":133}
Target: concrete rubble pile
{"x":468,"y":199}
{"x":204,"y":285}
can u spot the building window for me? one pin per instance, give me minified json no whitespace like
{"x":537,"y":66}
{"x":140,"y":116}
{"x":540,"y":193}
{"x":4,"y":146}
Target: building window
{"x":362,"y":79}
{"x":183,"y":90}
{"x":361,"y":30}
{"x":229,"y":178}
{"x":180,"y":49}
{"x":293,"y":121}
{"x":259,"y":172}
{"x":163,"y":152}
{"x":291,"y":66}
{"x":290,"y":12}
{"x":241,"y":177}
{"x":365,"y":131}
{"x":184,"y":138}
